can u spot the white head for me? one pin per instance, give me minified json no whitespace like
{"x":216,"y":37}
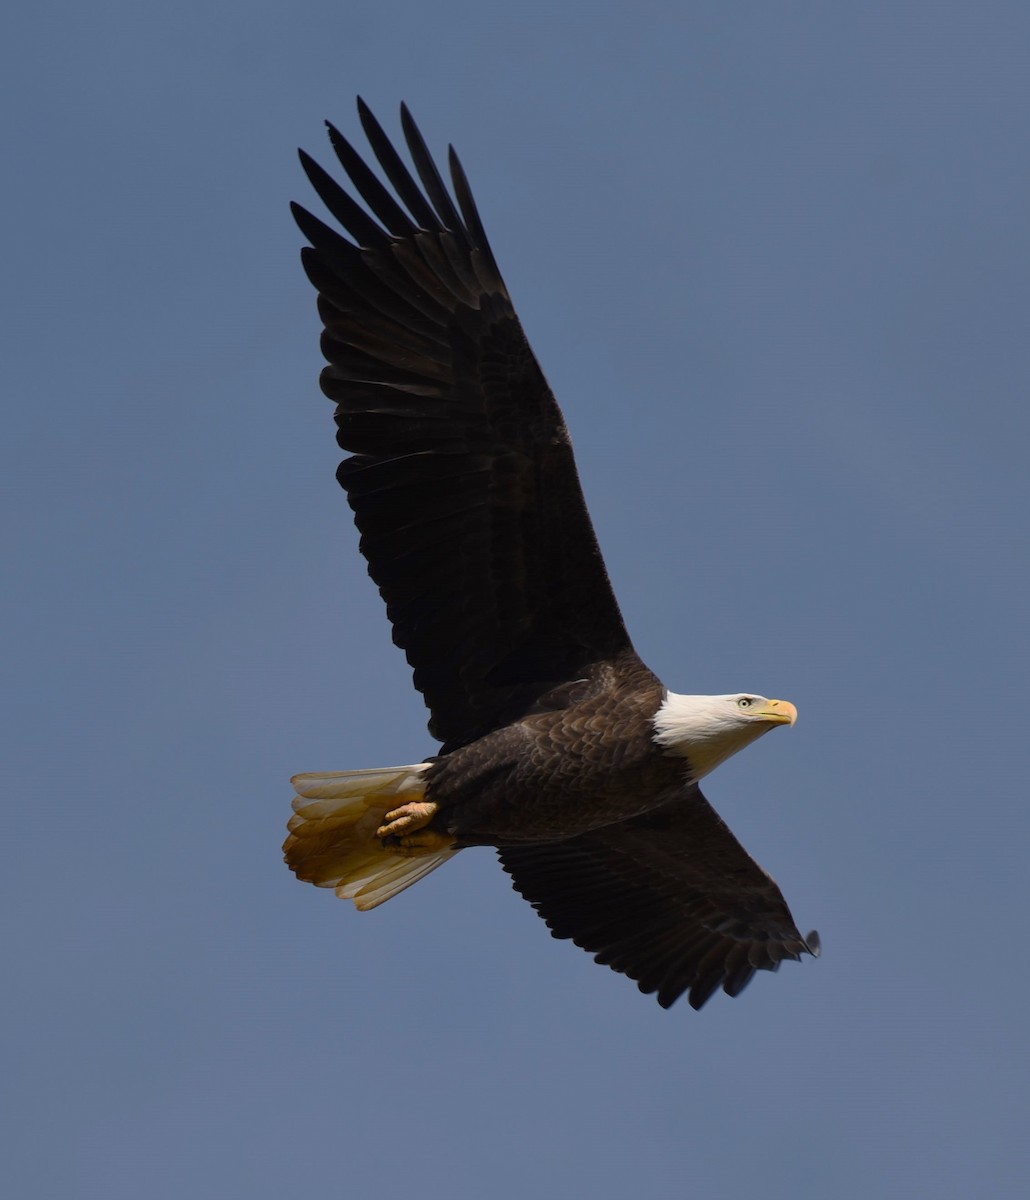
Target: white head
{"x":706,"y":730}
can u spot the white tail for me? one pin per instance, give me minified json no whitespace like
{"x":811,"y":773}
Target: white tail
{"x":333,"y":841}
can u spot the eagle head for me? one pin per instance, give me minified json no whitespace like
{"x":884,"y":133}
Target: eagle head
{"x":706,"y":730}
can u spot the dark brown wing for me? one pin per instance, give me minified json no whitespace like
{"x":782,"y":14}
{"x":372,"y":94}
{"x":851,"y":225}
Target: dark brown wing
{"x":670,"y":899}
{"x":462,"y":482}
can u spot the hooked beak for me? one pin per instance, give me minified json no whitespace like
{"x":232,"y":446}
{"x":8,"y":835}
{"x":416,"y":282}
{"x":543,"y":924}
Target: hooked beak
{"x":778,"y":712}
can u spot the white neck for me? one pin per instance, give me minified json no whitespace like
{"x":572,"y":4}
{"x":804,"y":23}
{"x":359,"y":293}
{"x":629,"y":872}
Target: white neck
{"x":705,"y":730}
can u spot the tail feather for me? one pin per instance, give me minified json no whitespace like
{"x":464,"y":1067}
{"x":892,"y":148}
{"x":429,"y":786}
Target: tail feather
{"x":333,"y":841}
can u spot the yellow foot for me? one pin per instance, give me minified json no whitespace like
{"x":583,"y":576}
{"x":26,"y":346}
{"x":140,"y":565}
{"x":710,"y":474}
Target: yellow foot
{"x":406,"y":820}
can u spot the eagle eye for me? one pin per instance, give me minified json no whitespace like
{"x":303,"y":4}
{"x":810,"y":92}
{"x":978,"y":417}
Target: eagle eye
{"x":745,"y":702}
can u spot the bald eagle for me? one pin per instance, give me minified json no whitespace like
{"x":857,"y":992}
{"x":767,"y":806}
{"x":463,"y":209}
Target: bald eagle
{"x":560,"y":748}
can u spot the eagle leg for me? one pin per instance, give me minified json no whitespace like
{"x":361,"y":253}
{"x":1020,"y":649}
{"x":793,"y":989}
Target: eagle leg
{"x":399,"y":823}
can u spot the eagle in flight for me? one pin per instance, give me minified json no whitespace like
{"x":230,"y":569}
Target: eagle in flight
{"x":560,"y":748}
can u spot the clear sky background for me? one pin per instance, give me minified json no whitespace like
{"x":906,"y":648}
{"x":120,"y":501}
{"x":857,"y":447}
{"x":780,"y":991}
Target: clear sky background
{"x":774,"y":258}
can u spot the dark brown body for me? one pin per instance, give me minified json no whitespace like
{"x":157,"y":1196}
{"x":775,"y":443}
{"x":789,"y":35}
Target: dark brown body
{"x":587,"y":759}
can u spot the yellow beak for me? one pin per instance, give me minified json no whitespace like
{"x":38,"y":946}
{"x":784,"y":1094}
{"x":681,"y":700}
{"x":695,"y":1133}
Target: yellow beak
{"x":778,"y":712}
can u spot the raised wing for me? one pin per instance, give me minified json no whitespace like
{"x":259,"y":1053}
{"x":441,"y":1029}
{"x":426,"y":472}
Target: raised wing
{"x":670,"y":899}
{"x":462,"y":483}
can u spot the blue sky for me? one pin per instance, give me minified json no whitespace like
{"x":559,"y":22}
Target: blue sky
{"x":774,"y":259}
